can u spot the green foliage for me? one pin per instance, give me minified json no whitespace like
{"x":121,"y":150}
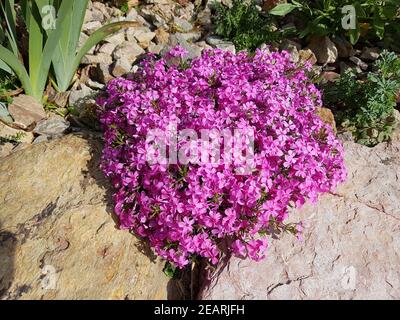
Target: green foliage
{"x":170,"y":270}
{"x":53,"y":37}
{"x":244,"y":25}
{"x":366,"y":108}
{"x":124,"y":8}
{"x":7,"y":83}
{"x":14,"y":139}
{"x":324,"y":17}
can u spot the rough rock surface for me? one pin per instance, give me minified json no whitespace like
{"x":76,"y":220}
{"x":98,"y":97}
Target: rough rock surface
{"x":324,"y":49}
{"x":351,"y":246}
{"x":26,"y":111}
{"x":57,"y":236}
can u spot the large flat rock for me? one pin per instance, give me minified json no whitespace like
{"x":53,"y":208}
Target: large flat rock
{"x":57,"y":236}
{"x":351,"y":246}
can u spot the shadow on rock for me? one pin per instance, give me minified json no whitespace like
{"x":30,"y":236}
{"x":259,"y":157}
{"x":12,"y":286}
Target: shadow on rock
{"x":94,"y":172}
{"x":8,"y":242}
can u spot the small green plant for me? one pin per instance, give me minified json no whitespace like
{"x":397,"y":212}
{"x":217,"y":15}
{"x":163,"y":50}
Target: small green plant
{"x":14,"y":139}
{"x":7,"y":83}
{"x":124,"y":8}
{"x":366,"y":108}
{"x":324,"y":17}
{"x":243,"y":24}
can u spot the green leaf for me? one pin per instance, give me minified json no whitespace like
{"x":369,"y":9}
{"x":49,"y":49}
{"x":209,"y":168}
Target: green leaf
{"x":354,"y":35}
{"x":19,"y":69}
{"x":282,"y":9}
{"x":379,"y":27}
{"x":42,"y":66}
{"x":4,"y":66}
{"x":4,"y":114}
{"x":65,"y":52}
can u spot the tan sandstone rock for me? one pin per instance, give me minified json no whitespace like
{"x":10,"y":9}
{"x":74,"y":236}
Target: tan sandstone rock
{"x":351,"y":246}
{"x":58,"y":239}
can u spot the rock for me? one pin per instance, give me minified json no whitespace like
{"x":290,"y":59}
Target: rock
{"x":54,"y":127}
{"x":181,"y":25}
{"x":351,"y":241}
{"x":91,"y":27}
{"x":194,"y":51}
{"x":204,"y":18}
{"x":289,"y":45}
{"x":107,"y":48}
{"x":307,"y":56}
{"x":103,"y":73}
{"x":324,"y":49}
{"x":26,"y":111}
{"x":327,"y":117}
{"x":219,"y":43}
{"x":116,"y":38}
{"x":121,"y":67}
{"x":155,"y":48}
{"x":344,"y":66}
{"x":41,"y":139}
{"x":134,"y":16}
{"x":161,"y":36}
{"x":330,"y":76}
{"x":370,"y":54}
{"x":293,"y":48}
{"x":6,"y":131}
{"x":142,"y":35}
{"x":95,"y":15}
{"x":5,"y":149}
{"x":192,"y":36}
{"x":359,"y":63}
{"x":129,"y":51}
{"x":58,"y":238}
{"x":96,"y":59}
{"x":344,"y":47}
{"x":81,"y":97}
{"x":94,"y":85}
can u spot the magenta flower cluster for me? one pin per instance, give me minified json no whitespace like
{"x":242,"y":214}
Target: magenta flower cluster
{"x":193,"y":210}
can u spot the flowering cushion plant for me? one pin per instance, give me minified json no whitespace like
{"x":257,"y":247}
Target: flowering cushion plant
{"x":187,"y":210}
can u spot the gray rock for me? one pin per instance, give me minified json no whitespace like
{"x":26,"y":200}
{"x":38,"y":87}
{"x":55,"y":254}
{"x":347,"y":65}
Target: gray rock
{"x":91,"y":27}
{"x":194,"y":51}
{"x":324,"y":49}
{"x":96,"y":59}
{"x":344,"y":47}
{"x":129,"y":51}
{"x":81,"y":97}
{"x":53,"y":127}
{"x":370,"y":54}
{"x":155,"y":48}
{"x":41,"y":139}
{"x":359,"y":63}
{"x":94,"y":85}
{"x":107,"y":48}
{"x":204,"y":17}
{"x":293,"y":48}
{"x":219,"y":43}
{"x":181,"y":25}
{"x":351,"y":241}
{"x":192,"y":36}
{"x":121,"y":67}
{"x":103,"y":73}
{"x":116,"y":38}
